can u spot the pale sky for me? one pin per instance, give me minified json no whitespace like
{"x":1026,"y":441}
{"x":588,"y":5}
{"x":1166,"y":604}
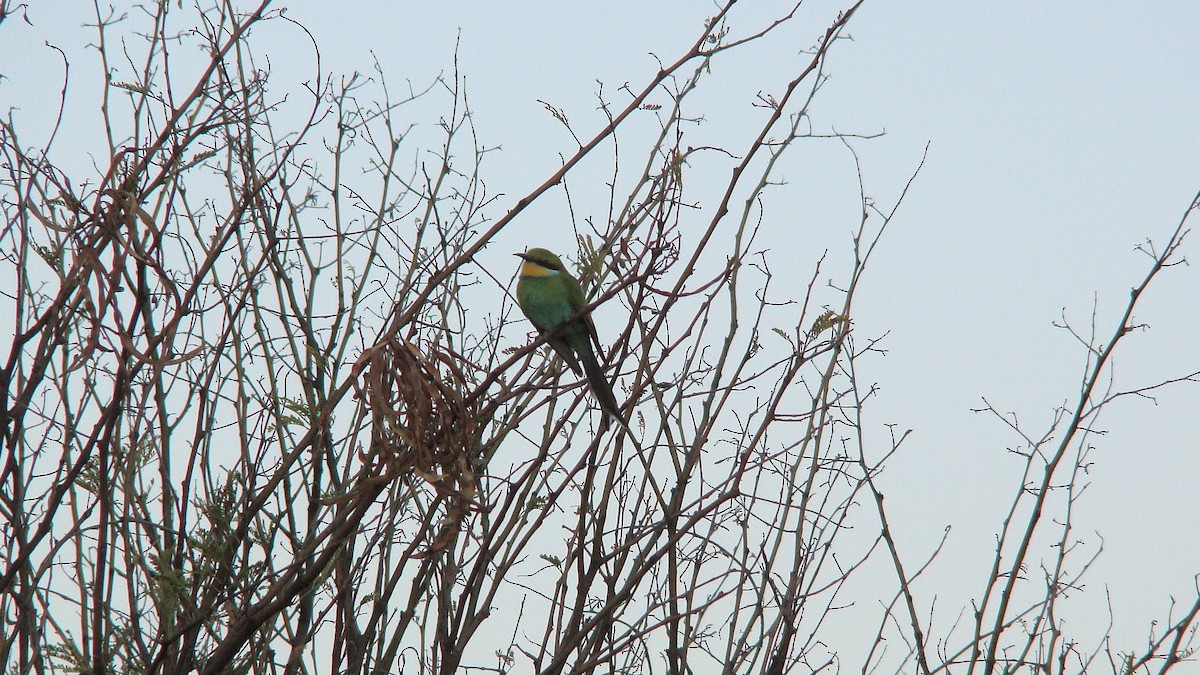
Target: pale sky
{"x":1061,"y":136}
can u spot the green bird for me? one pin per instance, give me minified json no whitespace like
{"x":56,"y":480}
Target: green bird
{"x":553,"y":302}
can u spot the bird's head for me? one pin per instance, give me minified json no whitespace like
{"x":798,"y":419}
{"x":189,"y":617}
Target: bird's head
{"x":539,"y":263}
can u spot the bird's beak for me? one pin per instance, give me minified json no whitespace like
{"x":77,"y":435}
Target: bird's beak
{"x":522,"y":256}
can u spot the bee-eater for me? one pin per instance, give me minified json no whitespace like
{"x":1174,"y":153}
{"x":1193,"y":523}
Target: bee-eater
{"x":553,"y":302}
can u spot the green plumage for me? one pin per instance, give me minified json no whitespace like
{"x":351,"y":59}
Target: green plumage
{"x":553,"y":302}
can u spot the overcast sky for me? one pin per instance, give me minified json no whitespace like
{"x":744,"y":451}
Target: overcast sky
{"x":1061,"y":136}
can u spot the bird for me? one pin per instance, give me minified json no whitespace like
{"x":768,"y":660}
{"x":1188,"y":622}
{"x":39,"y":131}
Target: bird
{"x":553,"y":302}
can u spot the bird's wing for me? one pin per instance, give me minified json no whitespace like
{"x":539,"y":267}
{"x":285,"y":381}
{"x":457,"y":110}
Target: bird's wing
{"x":574,"y":292}
{"x":591,"y":326}
{"x":578,"y":303}
{"x":563,"y":347}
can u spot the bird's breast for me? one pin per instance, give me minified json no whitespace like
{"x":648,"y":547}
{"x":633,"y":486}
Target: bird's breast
{"x":545,"y":303}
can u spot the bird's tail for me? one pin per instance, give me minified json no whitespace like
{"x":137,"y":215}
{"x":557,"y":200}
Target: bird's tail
{"x":601,"y":388}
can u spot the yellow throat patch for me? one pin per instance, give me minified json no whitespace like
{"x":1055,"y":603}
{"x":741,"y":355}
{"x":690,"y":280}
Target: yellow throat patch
{"x":532,"y":269}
